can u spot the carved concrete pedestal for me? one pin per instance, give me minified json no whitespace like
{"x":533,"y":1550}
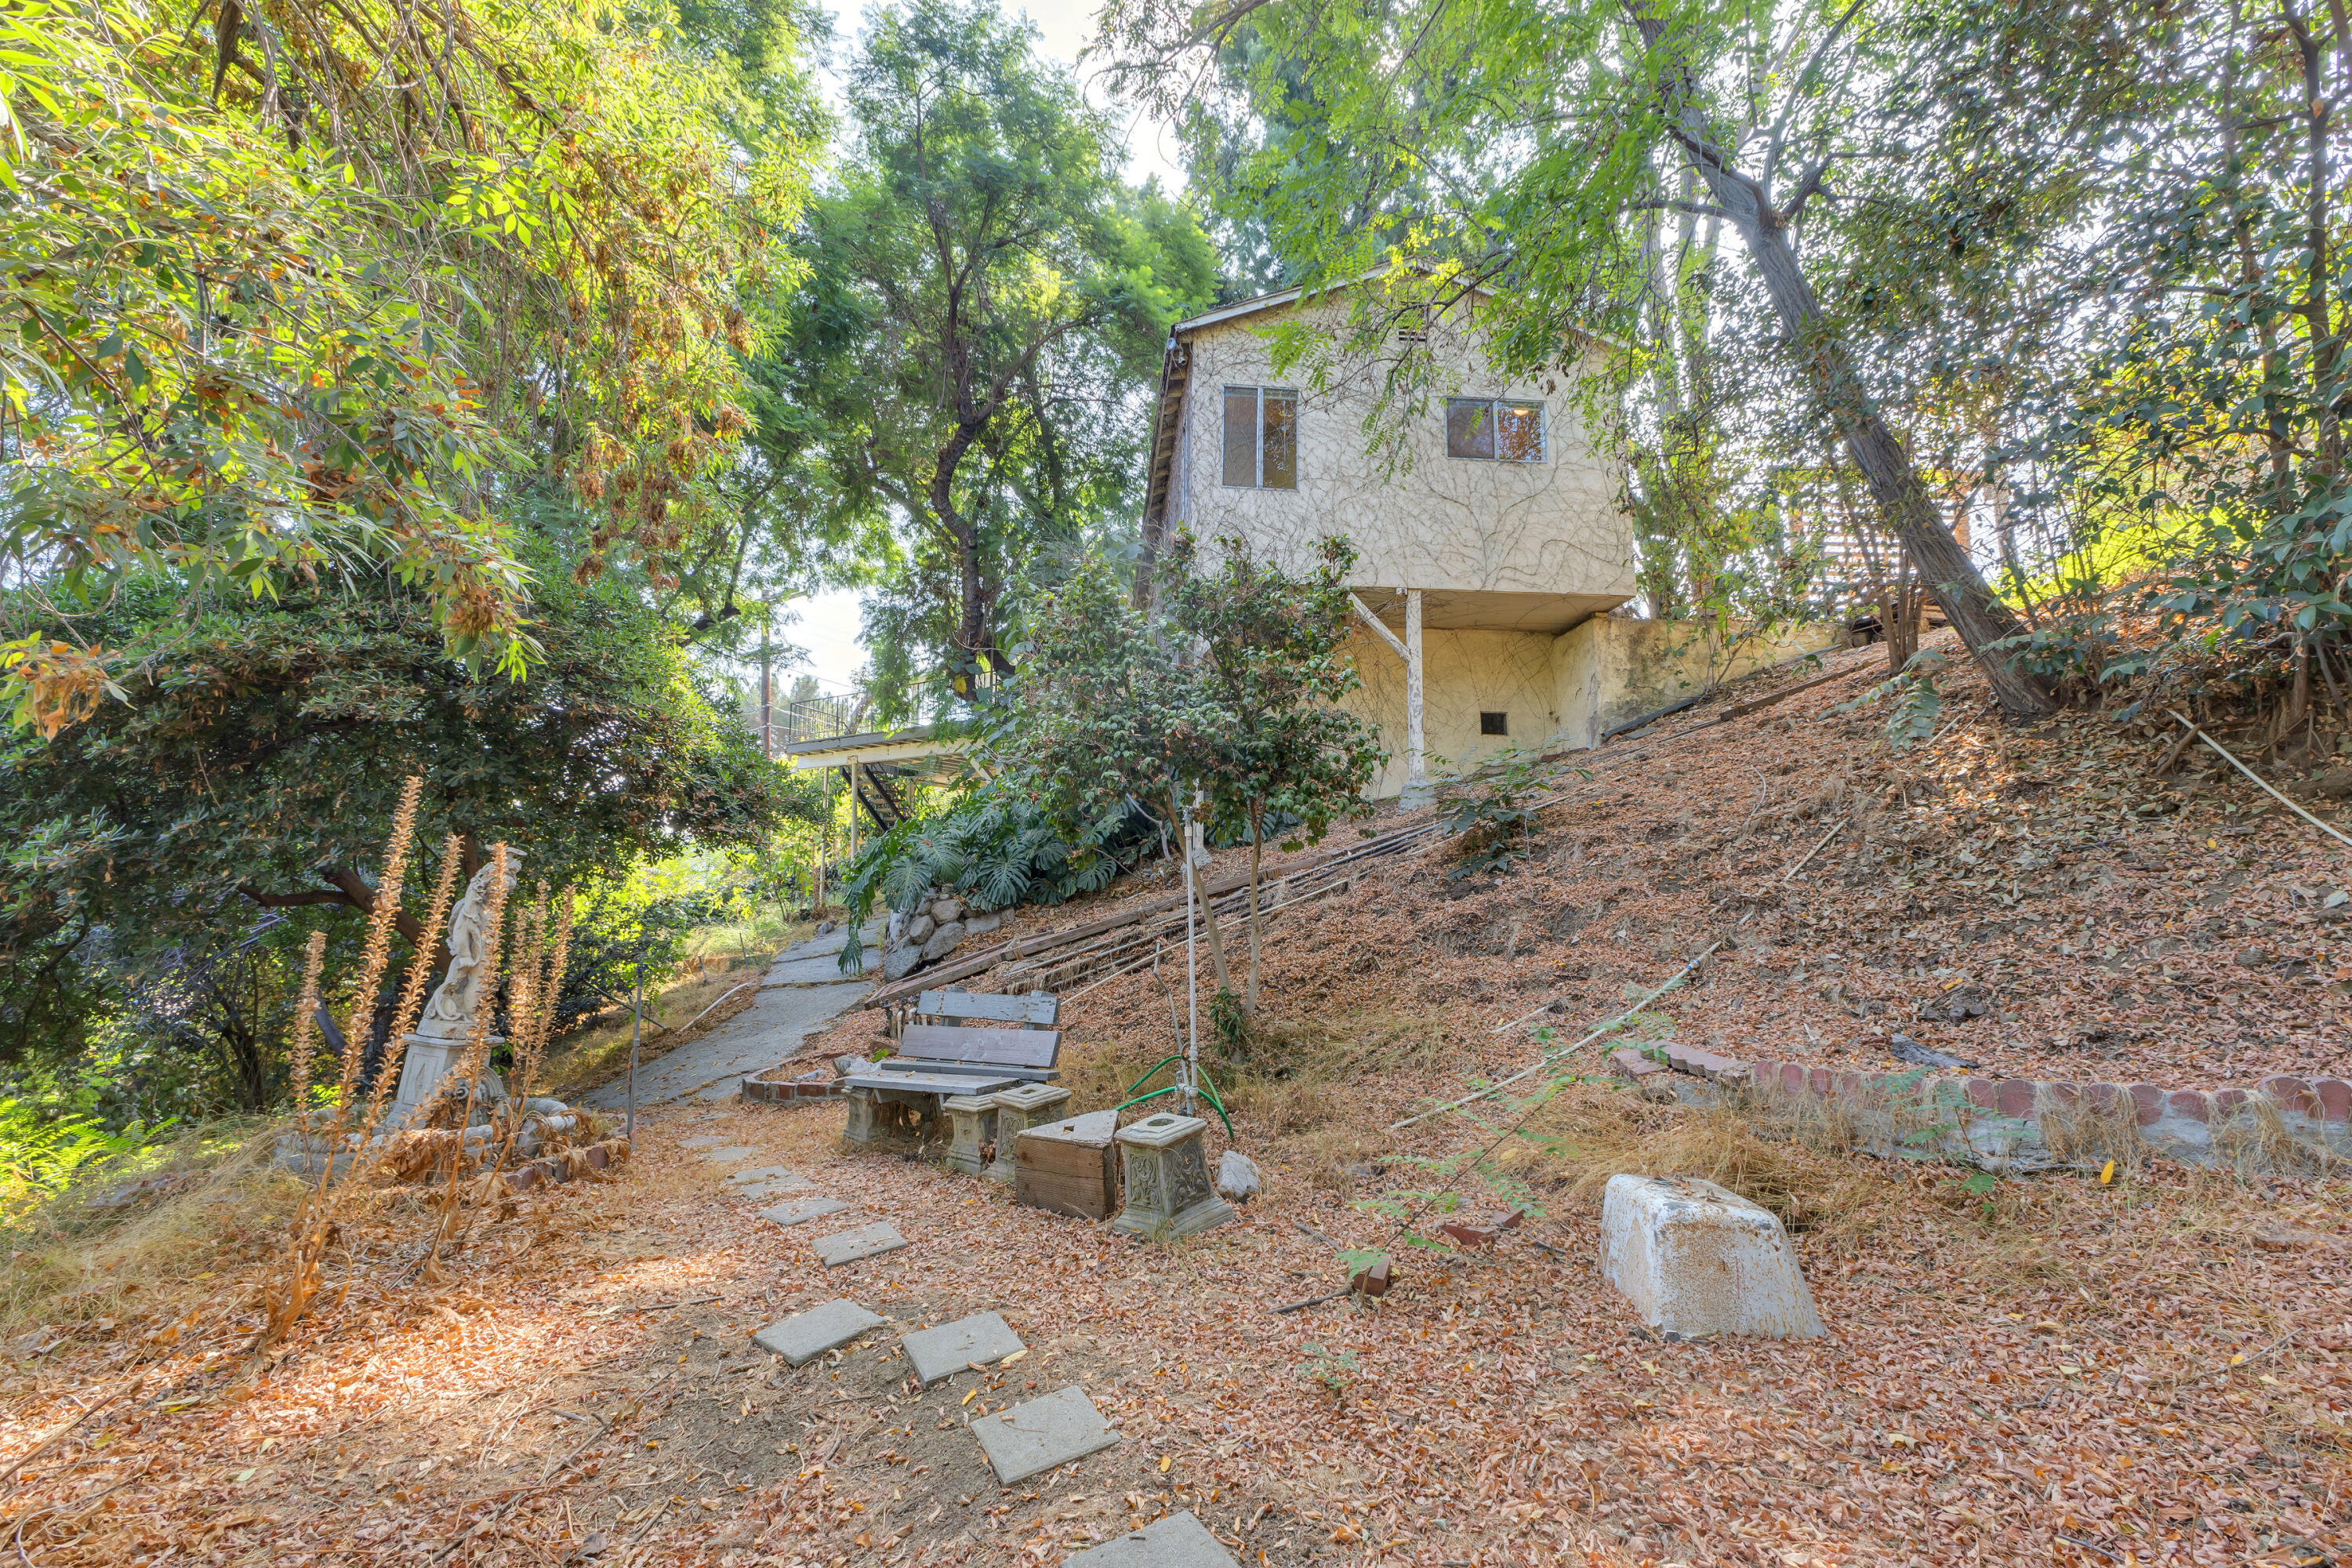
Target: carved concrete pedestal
{"x":1018,"y":1108}
{"x":883,"y":1116}
{"x":1168,"y":1190}
{"x":972,"y":1123}
{"x":427,"y":1062}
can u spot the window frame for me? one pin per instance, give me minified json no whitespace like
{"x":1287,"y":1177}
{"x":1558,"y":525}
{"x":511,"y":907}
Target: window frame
{"x":1490,"y":404}
{"x":1258,"y":396}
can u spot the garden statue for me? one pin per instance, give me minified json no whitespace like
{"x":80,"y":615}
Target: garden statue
{"x":449,"y":1013}
{"x":447,"y":1025}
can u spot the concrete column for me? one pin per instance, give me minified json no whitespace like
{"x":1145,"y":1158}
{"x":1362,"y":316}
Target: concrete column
{"x":1416,"y":772}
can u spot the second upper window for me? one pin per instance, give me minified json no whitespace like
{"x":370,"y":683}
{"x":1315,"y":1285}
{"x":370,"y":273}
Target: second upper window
{"x":1493,"y":428}
{"x":1261,"y":437}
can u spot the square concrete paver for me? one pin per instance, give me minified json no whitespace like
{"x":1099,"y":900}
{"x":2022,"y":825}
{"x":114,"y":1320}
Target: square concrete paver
{"x":801,"y":1339}
{"x":951,"y":1347}
{"x":700,"y":1141}
{"x":867,"y":1241}
{"x":1051,"y":1429}
{"x":761,"y":1174}
{"x":803,"y":1210}
{"x":733,"y":1154}
{"x":762,"y":1192}
{"x":1180,"y":1541}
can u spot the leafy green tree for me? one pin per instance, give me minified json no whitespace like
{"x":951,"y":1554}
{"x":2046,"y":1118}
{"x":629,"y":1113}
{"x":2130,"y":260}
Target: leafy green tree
{"x":260,"y":746}
{"x":270,"y":322}
{"x":1525,"y":148}
{"x":1267,"y":744}
{"x":1218,"y":709}
{"x":988,"y":296}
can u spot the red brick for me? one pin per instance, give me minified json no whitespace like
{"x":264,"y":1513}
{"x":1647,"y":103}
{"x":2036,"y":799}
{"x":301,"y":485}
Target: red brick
{"x":2106,"y":1095}
{"x":599,"y":1156}
{"x":2291,"y":1094}
{"x":2065,"y":1094}
{"x":1984,"y":1094}
{"x":1818,"y":1081}
{"x":2189,"y":1102}
{"x":2227,"y":1100}
{"x":525,"y":1179}
{"x":1793,"y":1078}
{"x":1465,"y":1234}
{"x":2016,"y":1097}
{"x":2147,"y":1102}
{"x":2335,"y":1098}
{"x":1374,"y":1281}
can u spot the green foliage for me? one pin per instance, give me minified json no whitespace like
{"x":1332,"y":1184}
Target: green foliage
{"x":1268,"y":741}
{"x":269,"y":741}
{"x":993,"y":849}
{"x":987,"y":298}
{"x":269,"y":322}
{"x":42,"y":1153}
{"x":1917,"y":706}
{"x":1492,"y":813}
{"x":1337,"y":1370}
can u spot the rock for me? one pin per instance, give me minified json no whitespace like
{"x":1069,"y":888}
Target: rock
{"x":920,"y":929}
{"x":980,"y":925}
{"x":1237,"y":1177}
{"x":947,"y":911}
{"x":542,"y":1105}
{"x":2336,"y":783}
{"x":942,"y":941}
{"x":1696,"y":1259}
{"x":1180,"y":1541}
{"x":895,"y":931}
{"x":826,"y":928}
{"x":1903,"y":1048}
{"x":843,"y":1066}
{"x":1954,"y":1007}
{"x":898,"y":963}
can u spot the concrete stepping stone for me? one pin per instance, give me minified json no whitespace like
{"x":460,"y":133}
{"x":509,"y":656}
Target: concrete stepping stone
{"x":803,"y":1210}
{"x":867,"y":1241}
{"x":1051,"y":1429}
{"x":733,"y":1154}
{"x":760,"y":1192}
{"x":700,"y":1141}
{"x":806,"y":1336}
{"x":952,"y":1347}
{"x":1180,"y":1541}
{"x":762,"y":1173}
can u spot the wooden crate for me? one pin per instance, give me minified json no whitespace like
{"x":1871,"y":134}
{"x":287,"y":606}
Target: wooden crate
{"x":1068,"y":1167}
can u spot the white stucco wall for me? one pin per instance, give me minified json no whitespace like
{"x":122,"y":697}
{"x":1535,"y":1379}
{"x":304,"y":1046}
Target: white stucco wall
{"x":1463,"y":674}
{"x":1612,"y":668}
{"x":1462,"y":528}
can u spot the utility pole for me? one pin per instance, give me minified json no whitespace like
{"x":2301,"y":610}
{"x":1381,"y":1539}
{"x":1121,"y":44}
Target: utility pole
{"x":767,"y":692}
{"x":636,"y":1015}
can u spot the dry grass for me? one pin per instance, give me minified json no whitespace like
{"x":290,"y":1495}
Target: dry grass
{"x":144,"y":1242}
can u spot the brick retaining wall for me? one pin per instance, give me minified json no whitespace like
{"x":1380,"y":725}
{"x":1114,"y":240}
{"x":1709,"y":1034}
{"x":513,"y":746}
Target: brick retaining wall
{"x":2030,"y":1123}
{"x":766,"y":1088}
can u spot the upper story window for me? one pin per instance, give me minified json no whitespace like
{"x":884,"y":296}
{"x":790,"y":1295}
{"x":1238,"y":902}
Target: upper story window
{"x":1493,"y":428}
{"x":1261,"y":437}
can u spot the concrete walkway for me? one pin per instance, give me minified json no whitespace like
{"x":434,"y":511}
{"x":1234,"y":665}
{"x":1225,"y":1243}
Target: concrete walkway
{"x":761,"y":1036}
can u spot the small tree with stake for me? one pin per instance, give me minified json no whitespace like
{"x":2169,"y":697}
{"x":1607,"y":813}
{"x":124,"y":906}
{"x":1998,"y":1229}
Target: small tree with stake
{"x":1267,"y":743}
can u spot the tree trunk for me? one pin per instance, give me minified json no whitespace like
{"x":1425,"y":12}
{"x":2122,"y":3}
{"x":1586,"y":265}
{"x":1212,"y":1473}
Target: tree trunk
{"x":1944,"y":567}
{"x":1894,"y":482}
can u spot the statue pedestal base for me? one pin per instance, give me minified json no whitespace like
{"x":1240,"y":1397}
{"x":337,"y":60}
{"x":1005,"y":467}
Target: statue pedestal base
{"x":428,"y":1061}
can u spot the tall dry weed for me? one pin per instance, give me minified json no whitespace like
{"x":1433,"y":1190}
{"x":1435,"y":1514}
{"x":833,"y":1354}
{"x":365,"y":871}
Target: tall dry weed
{"x":288,"y":1291}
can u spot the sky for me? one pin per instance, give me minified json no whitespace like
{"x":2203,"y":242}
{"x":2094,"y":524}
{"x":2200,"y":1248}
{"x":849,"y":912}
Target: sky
{"x":826,"y":624}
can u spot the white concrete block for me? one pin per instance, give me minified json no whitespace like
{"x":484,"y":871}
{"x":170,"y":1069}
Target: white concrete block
{"x":1697,"y":1259}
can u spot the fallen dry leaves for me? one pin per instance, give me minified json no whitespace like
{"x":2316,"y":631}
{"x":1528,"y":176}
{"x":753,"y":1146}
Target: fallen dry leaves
{"x":2155,"y":1370}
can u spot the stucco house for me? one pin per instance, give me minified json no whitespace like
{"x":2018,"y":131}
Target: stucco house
{"x":1489,"y":548}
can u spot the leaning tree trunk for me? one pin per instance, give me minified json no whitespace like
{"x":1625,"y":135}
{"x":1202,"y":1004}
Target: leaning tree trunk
{"x":1980,"y":618}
